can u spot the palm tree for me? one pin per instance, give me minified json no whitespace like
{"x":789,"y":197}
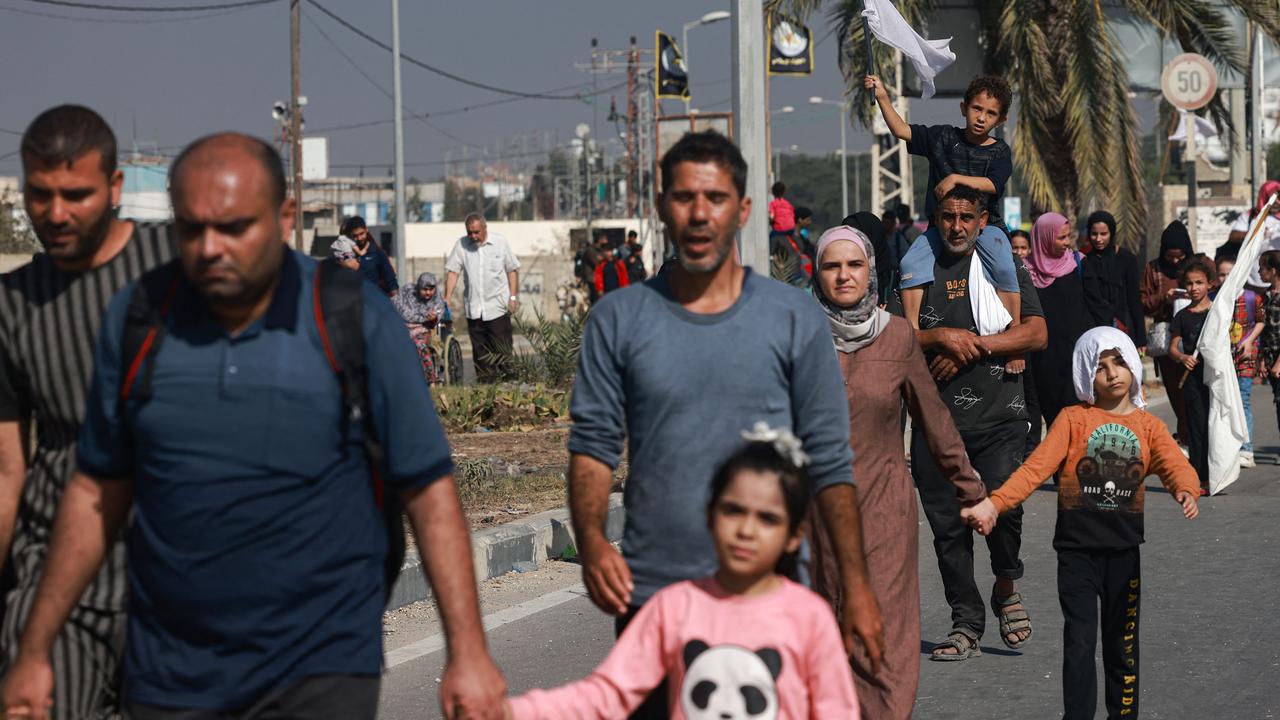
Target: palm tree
{"x":1075,"y":135}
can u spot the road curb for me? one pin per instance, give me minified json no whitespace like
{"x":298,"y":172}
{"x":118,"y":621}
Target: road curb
{"x":496,"y":550}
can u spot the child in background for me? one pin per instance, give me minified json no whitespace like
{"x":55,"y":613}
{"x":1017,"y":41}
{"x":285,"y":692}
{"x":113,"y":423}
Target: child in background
{"x":1269,"y":271}
{"x":782,"y":215}
{"x":746,"y":642}
{"x":960,"y":156}
{"x":1247,"y":323}
{"x":1102,"y":450}
{"x":1020,"y":242}
{"x":1184,"y":334}
{"x":804,"y":219}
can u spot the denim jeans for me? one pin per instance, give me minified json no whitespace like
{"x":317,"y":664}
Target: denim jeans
{"x":1246,"y":393}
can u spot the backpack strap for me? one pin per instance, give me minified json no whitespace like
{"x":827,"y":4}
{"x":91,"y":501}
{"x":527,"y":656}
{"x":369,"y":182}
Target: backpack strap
{"x":338,"y":306}
{"x":339,"y":315}
{"x":149,"y":304}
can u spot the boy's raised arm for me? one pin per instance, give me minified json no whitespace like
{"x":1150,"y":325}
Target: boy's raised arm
{"x":897,"y":125}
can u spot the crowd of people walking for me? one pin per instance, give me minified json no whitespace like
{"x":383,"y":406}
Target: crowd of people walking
{"x":208,"y":440}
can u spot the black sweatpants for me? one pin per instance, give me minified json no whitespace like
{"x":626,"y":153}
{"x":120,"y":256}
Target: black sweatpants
{"x":1084,"y":576}
{"x":1195,"y":395}
{"x":321,"y":697}
{"x":488,"y":339}
{"x":995,"y":454}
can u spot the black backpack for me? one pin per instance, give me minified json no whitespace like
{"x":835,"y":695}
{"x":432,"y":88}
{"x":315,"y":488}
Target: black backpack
{"x":338,"y":316}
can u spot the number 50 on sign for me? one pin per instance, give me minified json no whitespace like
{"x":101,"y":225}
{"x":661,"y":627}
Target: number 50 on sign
{"x":1189,"y":81}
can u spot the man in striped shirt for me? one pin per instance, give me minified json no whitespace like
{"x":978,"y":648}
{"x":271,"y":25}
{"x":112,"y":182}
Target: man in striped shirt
{"x":50,"y":312}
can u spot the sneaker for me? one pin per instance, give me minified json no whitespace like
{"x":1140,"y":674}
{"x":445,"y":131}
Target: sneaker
{"x":1246,"y":459}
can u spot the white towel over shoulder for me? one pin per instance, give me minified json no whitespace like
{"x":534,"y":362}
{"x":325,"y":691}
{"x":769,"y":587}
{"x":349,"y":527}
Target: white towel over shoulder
{"x":928,"y":57}
{"x":989,"y":315}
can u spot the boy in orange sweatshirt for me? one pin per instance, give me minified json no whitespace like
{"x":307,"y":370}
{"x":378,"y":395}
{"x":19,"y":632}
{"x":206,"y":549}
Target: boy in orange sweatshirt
{"x":1102,"y":450}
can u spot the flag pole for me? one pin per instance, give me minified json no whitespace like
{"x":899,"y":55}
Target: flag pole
{"x":866,"y":44}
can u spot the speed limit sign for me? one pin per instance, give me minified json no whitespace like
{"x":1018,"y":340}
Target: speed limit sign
{"x":1189,"y":81}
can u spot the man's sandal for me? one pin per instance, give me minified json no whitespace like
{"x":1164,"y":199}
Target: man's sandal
{"x":964,"y":644}
{"x":1012,"y":621}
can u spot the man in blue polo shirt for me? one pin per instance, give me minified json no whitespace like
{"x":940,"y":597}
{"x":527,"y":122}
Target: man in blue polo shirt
{"x":256,"y":552}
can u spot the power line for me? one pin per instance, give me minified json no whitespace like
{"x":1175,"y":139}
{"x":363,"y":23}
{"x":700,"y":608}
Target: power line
{"x":427,"y":67}
{"x":144,"y":8}
{"x":417,"y":116}
{"x":6,"y":131}
{"x":122,"y":21}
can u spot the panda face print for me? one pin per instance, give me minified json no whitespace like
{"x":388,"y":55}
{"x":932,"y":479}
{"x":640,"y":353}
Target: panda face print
{"x":729,"y":682}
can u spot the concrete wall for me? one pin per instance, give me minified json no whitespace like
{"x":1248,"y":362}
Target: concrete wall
{"x":543,"y":247}
{"x":536,"y":237}
{"x":540,"y":275}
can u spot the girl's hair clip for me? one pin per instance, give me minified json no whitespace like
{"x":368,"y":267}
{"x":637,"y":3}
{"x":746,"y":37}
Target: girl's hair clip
{"x":782,"y":440}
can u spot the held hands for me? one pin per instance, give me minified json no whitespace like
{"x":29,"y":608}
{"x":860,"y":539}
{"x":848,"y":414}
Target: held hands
{"x":981,"y":517}
{"x":873,"y":83}
{"x":28,"y":689}
{"x":473,"y":688}
{"x":1190,"y":510}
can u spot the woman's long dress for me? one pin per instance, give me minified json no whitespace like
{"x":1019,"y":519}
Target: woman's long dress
{"x":878,"y":378}
{"x":1066,"y":315}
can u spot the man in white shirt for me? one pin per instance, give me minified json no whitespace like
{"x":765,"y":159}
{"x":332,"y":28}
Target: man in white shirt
{"x":491,"y":276}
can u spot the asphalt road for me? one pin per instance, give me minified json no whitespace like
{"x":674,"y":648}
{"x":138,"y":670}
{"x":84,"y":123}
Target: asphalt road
{"x":1210,"y":640}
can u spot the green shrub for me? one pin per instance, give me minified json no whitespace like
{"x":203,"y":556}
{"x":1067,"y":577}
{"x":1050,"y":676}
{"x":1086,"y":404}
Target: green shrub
{"x":467,"y":408}
{"x":554,"y":357}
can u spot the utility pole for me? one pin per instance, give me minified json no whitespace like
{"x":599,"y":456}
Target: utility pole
{"x":1256,"y":173}
{"x":402,"y":209}
{"x":633,"y":145}
{"x":749,"y":128}
{"x":295,"y":118}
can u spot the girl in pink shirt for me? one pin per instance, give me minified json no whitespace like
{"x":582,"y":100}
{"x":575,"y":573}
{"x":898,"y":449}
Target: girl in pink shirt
{"x":744,"y":643}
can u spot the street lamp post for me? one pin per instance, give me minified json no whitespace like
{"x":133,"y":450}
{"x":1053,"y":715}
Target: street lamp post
{"x":844,"y":171}
{"x":773,"y":168}
{"x":711,"y":17}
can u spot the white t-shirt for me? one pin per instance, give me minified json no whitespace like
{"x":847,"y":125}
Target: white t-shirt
{"x":1270,"y":240}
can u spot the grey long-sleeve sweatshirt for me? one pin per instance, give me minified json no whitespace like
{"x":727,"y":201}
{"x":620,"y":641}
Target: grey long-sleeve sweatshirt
{"x":680,"y":387}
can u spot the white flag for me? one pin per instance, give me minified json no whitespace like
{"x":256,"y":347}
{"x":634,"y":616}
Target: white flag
{"x":928,"y":57}
{"x":1227,"y":428}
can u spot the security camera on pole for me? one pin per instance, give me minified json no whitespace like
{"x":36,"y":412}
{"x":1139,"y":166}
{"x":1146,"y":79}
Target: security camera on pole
{"x":1189,"y":82}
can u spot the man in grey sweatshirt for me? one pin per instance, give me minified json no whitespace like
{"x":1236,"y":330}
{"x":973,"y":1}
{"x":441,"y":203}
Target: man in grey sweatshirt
{"x":677,"y":367}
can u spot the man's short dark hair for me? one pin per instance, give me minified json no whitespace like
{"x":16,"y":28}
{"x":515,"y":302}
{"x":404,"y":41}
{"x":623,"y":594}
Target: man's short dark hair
{"x":352,"y":224}
{"x":903,"y":212}
{"x":66,"y":133}
{"x":888,"y":216}
{"x":803,"y":212}
{"x":707,"y":146}
{"x":779,"y":189}
{"x":967,"y":194}
{"x":261,"y":151}
{"x":632,"y":234}
{"x":993,"y":85}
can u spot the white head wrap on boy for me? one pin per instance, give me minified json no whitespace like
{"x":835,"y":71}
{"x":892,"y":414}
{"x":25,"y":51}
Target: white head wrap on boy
{"x":1088,"y":353}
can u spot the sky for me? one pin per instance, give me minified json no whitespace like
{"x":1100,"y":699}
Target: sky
{"x":164,"y":79}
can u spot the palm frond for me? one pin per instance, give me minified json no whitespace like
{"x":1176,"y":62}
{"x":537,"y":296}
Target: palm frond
{"x":1025,"y":54}
{"x":1089,"y":61}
